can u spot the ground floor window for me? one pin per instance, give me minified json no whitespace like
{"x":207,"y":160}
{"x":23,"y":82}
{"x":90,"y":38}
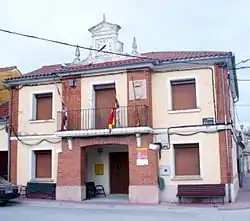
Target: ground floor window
{"x":43,"y":163}
{"x":187,"y":159}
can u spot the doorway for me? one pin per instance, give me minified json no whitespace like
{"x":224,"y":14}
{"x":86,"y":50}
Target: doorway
{"x":119,"y":172}
{"x":104,"y":102}
{"x":4,"y":164}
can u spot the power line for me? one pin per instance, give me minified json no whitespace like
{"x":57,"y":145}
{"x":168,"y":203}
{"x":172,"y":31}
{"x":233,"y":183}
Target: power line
{"x":73,"y":45}
{"x":243,"y":61}
{"x":97,"y":50}
{"x":243,"y":80}
{"x":244,"y":67}
{"x":243,"y":105}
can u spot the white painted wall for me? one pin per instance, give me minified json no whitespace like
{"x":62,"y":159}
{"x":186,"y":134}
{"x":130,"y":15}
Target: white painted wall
{"x":163,"y":116}
{"x":93,"y":157}
{"x":27,"y":126}
{"x":3,"y":139}
{"x":209,"y":164}
{"x":26,"y":160}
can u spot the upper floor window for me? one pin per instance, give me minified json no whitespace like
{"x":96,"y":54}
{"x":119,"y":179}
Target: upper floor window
{"x":42,"y":106}
{"x":187,"y":159}
{"x":183,"y":94}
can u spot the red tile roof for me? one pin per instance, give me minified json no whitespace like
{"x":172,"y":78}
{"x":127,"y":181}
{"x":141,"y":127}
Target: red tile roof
{"x":166,"y":56}
{"x":183,"y":55}
{"x":47,"y":69}
{"x":8,"y":68}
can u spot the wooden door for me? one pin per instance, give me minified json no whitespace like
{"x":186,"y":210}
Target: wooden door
{"x":119,"y":173}
{"x":104,"y":102}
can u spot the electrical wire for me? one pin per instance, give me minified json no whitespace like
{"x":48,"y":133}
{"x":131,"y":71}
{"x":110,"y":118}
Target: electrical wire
{"x":33,"y":144}
{"x":244,"y":80}
{"x":97,"y":50}
{"x":71,"y":45}
{"x":197,"y":132}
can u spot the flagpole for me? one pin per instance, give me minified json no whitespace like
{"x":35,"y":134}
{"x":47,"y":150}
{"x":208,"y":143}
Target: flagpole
{"x":136,"y":108}
{"x":64,"y":110}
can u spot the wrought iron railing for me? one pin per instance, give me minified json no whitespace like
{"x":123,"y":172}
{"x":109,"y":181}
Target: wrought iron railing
{"x":89,"y":119}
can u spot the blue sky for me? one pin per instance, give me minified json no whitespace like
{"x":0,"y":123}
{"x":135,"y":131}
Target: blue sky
{"x":158,"y":25}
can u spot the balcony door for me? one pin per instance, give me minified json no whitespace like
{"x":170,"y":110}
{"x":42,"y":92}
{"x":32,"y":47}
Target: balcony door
{"x":104,"y":102}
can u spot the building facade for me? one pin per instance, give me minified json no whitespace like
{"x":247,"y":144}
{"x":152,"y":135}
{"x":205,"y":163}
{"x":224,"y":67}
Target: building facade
{"x":174,"y":121}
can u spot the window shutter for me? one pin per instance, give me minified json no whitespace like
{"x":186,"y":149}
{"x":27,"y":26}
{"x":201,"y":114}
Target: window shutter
{"x":43,"y":163}
{"x":187,"y":159}
{"x":183,"y":95}
{"x":44,"y":106}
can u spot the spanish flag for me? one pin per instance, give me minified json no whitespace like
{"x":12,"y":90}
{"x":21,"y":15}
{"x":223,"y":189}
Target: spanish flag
{"x":112,"y":116}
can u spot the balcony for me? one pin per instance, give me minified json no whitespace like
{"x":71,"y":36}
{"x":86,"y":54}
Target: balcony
{"x":97,"y":119}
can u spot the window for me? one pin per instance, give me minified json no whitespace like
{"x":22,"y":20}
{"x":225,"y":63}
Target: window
{"x":43,"y":160}
{"x":187,"y":159}
{"x":183,"y":94}
{"x":43,"y":106}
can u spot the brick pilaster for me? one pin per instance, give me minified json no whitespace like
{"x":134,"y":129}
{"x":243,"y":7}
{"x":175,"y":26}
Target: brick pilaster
{"x":14,"y":103}
{"x":220,"y":119}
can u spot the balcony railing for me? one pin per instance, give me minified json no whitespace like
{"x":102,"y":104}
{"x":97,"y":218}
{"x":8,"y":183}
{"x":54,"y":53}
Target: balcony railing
{"x":90,"y":119}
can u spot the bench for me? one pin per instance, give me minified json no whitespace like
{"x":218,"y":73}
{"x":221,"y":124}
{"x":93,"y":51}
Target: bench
{"x":93,"y":190}
{"x":201,"y":191}
{"x":39,"y":190}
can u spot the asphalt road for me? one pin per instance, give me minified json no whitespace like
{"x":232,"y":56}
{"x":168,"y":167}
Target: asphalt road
{"x":68,"y":212}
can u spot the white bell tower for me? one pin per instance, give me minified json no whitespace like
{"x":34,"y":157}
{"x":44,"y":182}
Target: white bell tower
{"x":105,"y":35}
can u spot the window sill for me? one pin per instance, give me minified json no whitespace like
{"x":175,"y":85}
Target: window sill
{"x":179,"y":178}
{"x":184,"y":111}
{"x":42,"y":180}
{"x":41,"y":121}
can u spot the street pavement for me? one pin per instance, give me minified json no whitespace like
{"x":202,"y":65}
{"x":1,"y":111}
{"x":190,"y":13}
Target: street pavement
{"x":25,"y":209}
{"x":56,"y":211}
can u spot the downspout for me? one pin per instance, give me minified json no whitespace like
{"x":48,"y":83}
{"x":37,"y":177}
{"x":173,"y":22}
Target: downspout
{"x":9,"y":135}
{"x":226,"y":135}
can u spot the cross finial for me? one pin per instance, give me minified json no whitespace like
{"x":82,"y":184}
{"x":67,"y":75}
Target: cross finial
{"x":103,"y":17}
{"x":77,"y":55}
{"x":134,"y":46}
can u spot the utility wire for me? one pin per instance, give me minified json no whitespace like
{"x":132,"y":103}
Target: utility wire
{"x":98,"y":50}
{"x":33,"y":144}
{"x":73,"y":45}
{"x":243,"y":105}
{"x":243,"y":80}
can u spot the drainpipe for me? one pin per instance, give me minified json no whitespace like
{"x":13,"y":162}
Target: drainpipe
{"x":226,"y":135}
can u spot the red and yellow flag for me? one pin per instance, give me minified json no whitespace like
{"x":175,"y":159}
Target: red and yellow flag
{"x":111,"y":120}
{"x":112,"y":116}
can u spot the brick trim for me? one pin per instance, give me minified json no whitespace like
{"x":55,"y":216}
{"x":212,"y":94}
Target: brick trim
{"x":14,"y":102}
{"x":71,"y":162}
{"x":220,"y":119}
{"x":141,"y":74}
{"x":13,"y":160}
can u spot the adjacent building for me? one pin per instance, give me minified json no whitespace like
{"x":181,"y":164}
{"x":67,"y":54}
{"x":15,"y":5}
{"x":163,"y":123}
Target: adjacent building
{"x":6,"y":72}
{"x":123,"y":121}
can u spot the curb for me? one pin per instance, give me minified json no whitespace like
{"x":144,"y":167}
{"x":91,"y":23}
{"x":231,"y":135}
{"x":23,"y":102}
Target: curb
{"x":234,"y":208}
{"x":117,"y":206}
